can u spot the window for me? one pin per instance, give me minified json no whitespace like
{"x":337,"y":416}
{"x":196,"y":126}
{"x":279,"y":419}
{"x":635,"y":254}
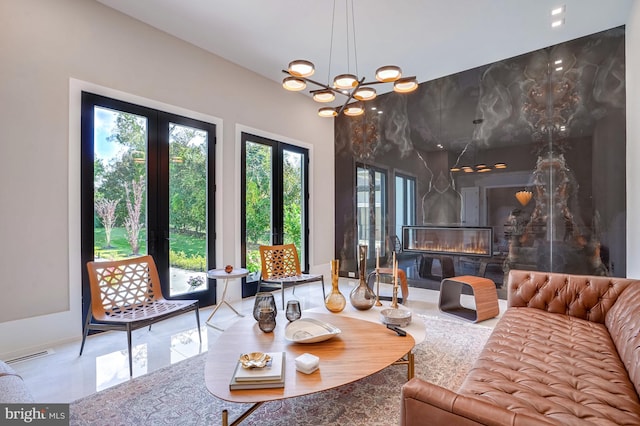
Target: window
{"x":371,"y":208}
{"x":275,"y":198}
{"x":405,"y":202}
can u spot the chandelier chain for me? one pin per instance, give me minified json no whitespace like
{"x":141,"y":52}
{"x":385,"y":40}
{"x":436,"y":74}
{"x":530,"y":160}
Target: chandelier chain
{"x":333,"y":24}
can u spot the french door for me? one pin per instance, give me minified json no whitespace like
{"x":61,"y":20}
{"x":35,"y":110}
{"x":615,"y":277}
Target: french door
{"x":148,"y":188}
{"x":275,"y":188}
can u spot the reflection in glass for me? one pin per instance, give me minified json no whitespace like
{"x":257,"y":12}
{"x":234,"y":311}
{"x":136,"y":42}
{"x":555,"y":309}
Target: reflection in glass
{"x":187,"y":209}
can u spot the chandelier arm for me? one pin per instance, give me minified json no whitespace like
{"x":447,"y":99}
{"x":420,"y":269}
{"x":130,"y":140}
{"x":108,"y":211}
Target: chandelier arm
{"x":333,"y":89}
{"x":350,"y":95}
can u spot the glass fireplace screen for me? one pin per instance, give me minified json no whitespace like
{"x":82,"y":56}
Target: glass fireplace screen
{"x":455,"y":241}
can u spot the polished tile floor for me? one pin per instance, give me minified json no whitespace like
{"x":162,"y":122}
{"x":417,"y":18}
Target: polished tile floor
{"x":63,"y":376}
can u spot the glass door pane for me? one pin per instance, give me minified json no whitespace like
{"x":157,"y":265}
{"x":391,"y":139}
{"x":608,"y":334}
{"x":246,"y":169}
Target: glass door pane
{"x":258,"y":201}
{"x":371,"y":208}
{"x":293,"y":201}
{"x":188,"y":195}
{"x":274,"y":191}
{"x":120,"y":184}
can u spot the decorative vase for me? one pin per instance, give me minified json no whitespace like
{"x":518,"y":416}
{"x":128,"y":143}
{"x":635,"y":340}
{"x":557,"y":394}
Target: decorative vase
{"x":335,"y":301}
{"x":362,"y":297}
{"x":267,"y":319}
{"x":263,"y":300}
{"x":293,"y":311}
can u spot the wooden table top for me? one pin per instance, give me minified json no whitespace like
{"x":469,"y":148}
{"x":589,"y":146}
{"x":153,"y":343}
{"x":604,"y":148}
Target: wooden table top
{"x":363,"y":348}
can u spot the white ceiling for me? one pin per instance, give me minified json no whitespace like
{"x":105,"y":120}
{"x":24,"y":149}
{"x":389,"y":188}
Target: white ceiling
{"x":427,"y":38}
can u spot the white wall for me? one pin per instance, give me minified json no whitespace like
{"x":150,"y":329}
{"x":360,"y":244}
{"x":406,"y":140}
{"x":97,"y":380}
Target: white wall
{"x":49,"y":51}
{"x":633,"y":140}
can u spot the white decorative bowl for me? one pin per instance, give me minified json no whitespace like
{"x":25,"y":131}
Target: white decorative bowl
{"x":309,"y":330}
{"x":397,"y":317}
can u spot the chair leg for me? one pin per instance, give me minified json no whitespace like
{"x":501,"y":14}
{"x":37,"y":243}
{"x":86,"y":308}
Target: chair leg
{"x":130,"y":354}
{"x":198,"y":321}
{"x":86,"y":329}
{"x":324,"y":296}
{"x":282,"y":285}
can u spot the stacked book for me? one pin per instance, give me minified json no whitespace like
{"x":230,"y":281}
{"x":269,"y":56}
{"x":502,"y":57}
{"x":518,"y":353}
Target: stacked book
{"x":269,"y":376}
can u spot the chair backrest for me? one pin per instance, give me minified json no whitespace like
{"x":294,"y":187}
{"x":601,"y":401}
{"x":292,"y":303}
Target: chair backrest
{"x":279,"y":261}
{"x":118,"y":286}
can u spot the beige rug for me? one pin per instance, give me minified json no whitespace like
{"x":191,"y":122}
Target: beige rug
{"x":177,"y":395}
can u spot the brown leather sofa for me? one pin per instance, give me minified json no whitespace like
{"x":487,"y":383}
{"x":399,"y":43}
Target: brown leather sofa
{"x":566,"y":352}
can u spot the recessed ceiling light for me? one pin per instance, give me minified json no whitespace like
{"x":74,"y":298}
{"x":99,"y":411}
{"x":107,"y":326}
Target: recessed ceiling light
{"x":558,"y":61}
{"x":379,"y":112}
{"x":557,"y":11}
{"x":440,"y":146}
{"x":556,"y":24}
{"x":559,"y":69}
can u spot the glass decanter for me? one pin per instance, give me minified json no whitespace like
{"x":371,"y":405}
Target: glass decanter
{"x":335,"y":301}
{"x":362,"y":297}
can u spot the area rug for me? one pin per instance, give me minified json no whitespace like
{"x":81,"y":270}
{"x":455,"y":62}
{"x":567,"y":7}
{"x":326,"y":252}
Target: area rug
{"x":177,"y":395}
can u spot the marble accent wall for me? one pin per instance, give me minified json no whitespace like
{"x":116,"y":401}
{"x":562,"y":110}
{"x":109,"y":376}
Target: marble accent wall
{"x":555,"y":117}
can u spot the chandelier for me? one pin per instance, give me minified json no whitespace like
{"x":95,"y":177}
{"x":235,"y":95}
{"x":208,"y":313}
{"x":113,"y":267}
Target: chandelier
{"x":353,"y":89}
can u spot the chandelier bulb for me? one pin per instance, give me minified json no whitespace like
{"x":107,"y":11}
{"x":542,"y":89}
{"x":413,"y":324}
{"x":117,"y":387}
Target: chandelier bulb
{"x":405,"y":85}
{"x":327,"y":112}
{"x":388,"y":73}
{"x":301,"y":68}
{"x":294,"y":84}
{"x":353,"y":110}
{"x":365,"y":93}
{"x":345,"y":81}
{"x":324,"y":96}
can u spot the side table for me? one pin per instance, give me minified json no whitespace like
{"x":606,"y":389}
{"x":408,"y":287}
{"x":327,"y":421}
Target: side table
{"x":221,"y":274}
{"x":484,"y":293}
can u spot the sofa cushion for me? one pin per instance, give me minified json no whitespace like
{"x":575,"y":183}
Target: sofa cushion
{"x":623,"y":322}
{"x":555,"y":367}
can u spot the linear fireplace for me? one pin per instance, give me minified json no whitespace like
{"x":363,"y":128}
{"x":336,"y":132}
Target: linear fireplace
{"x":448,"y":240}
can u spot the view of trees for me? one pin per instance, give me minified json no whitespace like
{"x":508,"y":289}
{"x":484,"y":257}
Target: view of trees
{"x":258,"y":200}
{"x":120,"y":195}
{"x":120,"y":192}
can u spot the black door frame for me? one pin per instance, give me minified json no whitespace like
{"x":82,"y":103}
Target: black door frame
{"x":277,"y":158}
{"x":158,"y":177}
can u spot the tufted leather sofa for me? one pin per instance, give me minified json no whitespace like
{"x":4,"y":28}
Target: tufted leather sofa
{"x":566,"y":352}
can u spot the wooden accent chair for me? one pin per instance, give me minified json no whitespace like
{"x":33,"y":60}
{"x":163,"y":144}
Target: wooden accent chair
{"x":126,"y":295}
{"x":281,"y":266}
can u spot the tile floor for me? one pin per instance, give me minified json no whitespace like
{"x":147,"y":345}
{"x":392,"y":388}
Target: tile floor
{"x":63,"y":376}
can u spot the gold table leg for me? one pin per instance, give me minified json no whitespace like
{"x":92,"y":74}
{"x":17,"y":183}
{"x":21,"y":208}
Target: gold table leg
{"x":225,"y":415}
{"x":408,"y":359}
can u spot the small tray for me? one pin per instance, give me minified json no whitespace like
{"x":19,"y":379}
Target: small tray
{"x":309,"y":330}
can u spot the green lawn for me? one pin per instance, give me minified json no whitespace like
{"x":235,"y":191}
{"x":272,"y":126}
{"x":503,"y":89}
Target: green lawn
{"x":187,"y":251}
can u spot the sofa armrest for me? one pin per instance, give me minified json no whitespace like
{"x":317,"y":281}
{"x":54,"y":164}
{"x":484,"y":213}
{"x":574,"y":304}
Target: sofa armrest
{"x":426,"y":403}
{"x":12,"y":388}
{"x":581,"y":296}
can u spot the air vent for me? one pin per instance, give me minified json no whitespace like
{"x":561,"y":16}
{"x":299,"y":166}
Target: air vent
{"x":29,"y":357}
